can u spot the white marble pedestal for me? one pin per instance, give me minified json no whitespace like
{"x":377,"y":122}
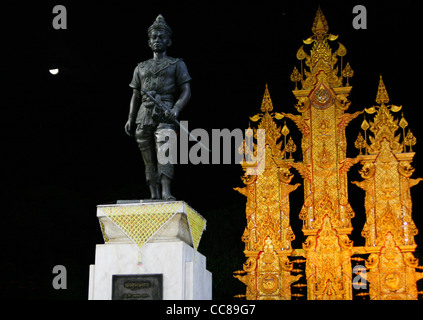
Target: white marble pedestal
{"x":169,"y":251}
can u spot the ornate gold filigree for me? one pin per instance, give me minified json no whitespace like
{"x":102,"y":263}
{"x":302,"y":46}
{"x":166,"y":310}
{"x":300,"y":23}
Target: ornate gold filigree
{"x":321,"y":58}
{"x":386,"y":170}
{"x":410,"y":140}
{"x":360,"y":143}
{"x":347,"y":72}
{"x":392,"y":274}
{"x":268,"y":234}
{"x":384,"y":125}
{"x":389,"y":229}
{"x":296,"y":77}
{"x":322,"y":102}
{"x":328,"y":268}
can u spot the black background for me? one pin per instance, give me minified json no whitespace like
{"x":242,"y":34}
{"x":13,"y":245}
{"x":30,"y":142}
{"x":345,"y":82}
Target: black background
{"x":65,"y":150}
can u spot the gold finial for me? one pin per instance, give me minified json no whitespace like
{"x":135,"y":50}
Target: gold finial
{"x":342,"y":51}
{"x":320,"y":29}
{"x":290,"y":147}
{"x":382,"y":95}
{"x":266,"y":104}
{"x":347,"y":73}
{"x":410,"y":140}
{"x":285,"y":131}
{"x":360,"y":143}
{"x":403,"y":124}
{"x":321,"y":56}
{"x":365,"y":125}
{"x":266,"y":108}
{"x":295,"y":77}
{"x":320,"y":25}
{"x":301,"y":54}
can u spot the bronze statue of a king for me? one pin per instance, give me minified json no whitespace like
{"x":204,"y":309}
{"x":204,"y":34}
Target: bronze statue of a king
{"x":160,"y":81}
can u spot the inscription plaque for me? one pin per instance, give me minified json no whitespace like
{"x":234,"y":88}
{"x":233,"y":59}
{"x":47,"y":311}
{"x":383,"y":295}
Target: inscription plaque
{"x":137,"y":287}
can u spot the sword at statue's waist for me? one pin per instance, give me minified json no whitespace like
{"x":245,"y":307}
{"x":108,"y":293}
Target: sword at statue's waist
{"x":157,"y":102}
{"x":165,"y":108}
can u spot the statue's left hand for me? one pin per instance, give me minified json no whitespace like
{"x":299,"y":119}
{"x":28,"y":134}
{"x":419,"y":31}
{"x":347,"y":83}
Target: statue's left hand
{"x":130,"y":127}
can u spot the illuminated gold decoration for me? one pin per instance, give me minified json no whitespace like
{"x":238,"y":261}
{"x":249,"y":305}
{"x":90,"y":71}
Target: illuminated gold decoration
{"x":328,"y":267}
{"x":410,"y":140}
{"x":389,"y":229}
{"x":392,"y":274}
{"x":347,"y":72}
{"x":296,"y":76}
{"x":385,"y":155}
{"x":326,"y":212}
{"x":268,"y":234}
{"x":360,"y":143}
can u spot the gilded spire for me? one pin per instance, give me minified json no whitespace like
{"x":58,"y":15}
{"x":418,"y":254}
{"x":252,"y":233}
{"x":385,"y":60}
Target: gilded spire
{"x":321,"y":57}
{"x":266,"y":104}
{"x":320,"y":25}
{"x":384,"y":124}
{"x":273,"y":132}
{"x":382,"y":95}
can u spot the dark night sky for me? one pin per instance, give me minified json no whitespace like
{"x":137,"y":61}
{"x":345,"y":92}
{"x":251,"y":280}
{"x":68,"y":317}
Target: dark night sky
{"x":65,"y":150}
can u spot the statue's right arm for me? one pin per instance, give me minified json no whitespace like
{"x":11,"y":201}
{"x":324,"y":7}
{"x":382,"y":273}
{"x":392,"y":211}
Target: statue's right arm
{"x":134,"y":106}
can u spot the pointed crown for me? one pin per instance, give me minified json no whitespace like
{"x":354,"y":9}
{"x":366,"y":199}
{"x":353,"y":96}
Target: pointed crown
{"x":266,"y":104}
{"x":321,"y":57}
{"x":160,"y":24}
{"x":382,"y":94}
{"x":320,"y":25}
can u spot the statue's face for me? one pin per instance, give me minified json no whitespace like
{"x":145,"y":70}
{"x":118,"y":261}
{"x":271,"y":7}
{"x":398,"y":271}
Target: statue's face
{"x":159,"y":40}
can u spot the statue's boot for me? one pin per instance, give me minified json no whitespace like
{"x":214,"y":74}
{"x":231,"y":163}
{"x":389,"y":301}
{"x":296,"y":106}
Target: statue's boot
{"x":149,"y":157}
{"x":166,"y":195}
{"x":155,"y":191}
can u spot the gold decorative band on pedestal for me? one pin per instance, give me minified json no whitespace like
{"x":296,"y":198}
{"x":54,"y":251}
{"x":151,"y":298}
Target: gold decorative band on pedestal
{"x":141,"y":221}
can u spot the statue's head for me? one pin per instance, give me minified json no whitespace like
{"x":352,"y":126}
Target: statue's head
{"x":159,"y":34}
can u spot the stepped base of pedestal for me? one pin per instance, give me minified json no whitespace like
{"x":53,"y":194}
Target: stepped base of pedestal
{"x":184,"y":272}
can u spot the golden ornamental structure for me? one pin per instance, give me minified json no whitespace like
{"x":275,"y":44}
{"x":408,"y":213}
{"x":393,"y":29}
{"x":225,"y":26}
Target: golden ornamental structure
{"x":389,"y":229}
{"x":268,"y":234}
{"x":326,"y":213}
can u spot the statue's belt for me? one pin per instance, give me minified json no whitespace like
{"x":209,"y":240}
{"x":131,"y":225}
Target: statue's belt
{"x":165,"y":97}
